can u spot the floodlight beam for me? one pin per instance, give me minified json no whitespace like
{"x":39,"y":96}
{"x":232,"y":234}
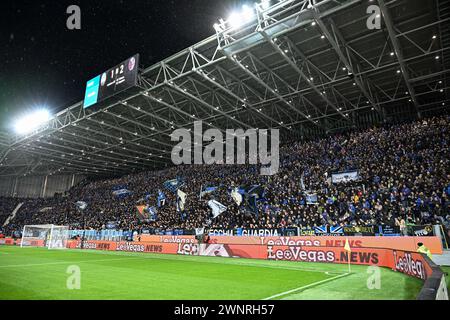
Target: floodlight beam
{"x":32,"y":121}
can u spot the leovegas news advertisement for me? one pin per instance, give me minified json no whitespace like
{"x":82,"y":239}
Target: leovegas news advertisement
{"x":365,"y":256}
{"x":17,"y":242}
{"x":410,"y":263}
{"x":7,"y":241}
{"x":287,"y":253}
{"x":169,"y":248}
{"x":167,"y":239}
{"x":223,"y":250}
{"x":398,"y":243}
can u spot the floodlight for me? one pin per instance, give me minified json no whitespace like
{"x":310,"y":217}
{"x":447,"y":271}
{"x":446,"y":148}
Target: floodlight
{"x":247,"y":13}
{"x":235,"y":20}
{"x":265,"y":4}
{"x":238,"y":19}
{"x":32,"y":121}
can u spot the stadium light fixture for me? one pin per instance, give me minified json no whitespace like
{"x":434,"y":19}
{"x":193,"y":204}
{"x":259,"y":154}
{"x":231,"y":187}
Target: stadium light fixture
{"x":235,"y":20}
{"x":247,"y":13}
{"x":32,"y":121}
{"x":239,"y":18}
{"x":265,"y":4}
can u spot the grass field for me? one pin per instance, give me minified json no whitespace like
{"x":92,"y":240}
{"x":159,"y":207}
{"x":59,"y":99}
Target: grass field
{"x":41,"y":274}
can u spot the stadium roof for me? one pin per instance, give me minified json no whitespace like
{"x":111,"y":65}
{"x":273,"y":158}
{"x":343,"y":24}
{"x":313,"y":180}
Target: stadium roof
{"x":307,"y":69}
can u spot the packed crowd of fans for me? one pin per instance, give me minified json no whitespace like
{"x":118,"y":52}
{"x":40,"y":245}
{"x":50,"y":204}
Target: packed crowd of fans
{"x":404,"y":172}
{"x":7,"y":206}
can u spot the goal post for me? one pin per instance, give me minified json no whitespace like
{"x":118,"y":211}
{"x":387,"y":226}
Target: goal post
{"x":47,"y":235}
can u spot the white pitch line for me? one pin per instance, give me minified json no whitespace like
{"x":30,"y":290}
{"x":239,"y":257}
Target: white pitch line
{"x":305,"y":287}
{"x":63,"y":262}
{"x":131,"y":255}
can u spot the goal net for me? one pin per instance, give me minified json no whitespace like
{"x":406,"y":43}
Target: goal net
{"x":49,"y":235}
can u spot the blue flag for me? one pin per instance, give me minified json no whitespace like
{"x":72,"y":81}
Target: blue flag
{"x":254,"y":194}
{"x":161,"y":199}
{"x":153,"y":214}
{"x":122,"y":193}
{"x":173,"y":185}
{"x":311,"y":198}
{"x":207,"y":190}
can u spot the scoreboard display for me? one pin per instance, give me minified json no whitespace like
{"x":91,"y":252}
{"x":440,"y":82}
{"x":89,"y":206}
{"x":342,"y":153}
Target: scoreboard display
{"x":111,"y":82}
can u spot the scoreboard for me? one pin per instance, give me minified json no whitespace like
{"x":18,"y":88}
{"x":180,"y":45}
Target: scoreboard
{"x":111,"y":82}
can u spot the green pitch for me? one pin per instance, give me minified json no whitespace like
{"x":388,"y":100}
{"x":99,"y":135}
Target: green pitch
{"x":36,"y":273}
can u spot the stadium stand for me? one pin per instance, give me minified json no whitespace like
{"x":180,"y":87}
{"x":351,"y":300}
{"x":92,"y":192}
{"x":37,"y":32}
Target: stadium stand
{"x":7,"y":205}
{"x":403,"y":173}
{"x":362,"y":114}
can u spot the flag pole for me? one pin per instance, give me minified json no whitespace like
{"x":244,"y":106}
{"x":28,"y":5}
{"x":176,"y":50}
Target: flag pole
{"x":349,"y":251}
{"x":349,"y":268}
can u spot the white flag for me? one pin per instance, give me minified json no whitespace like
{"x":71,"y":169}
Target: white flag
{"x":302,"y":182}
{"x":81,"y":205}
{"x":216,"y":207}
{"x":181,"y":200}
{"x":237,"y":197}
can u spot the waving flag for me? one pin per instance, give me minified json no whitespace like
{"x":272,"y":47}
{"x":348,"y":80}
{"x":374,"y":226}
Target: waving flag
{"x":237,"y":197}
{"x":311,"y":198}
{"x":345,"y":177}
{"x":81,"y":205}
{"x":153,"y":213}
{"x":256,"y":191}
{"x":143,"y":212}
{"x":254,"y":194}
{"x":181,"y":199}
{"x":216,"y":207}
{"x":173,"y":185}
{"x":161,"y":201}
{"x":122,"y":193}
{"x":147,"y":196}
{"x":302,"y":183}
{"x":207,"y":190}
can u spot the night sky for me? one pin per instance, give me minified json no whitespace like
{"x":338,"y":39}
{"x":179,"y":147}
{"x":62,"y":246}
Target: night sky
{"x":45,"y":64}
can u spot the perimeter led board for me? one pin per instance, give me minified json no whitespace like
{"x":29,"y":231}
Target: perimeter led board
{"x":111,"y":82}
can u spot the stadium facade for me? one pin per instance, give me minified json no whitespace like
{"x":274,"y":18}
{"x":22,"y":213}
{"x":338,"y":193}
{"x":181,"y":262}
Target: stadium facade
{"x":308,"y":68}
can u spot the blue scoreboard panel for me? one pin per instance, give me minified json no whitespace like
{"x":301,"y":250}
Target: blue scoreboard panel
{"x":111,"y":82}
